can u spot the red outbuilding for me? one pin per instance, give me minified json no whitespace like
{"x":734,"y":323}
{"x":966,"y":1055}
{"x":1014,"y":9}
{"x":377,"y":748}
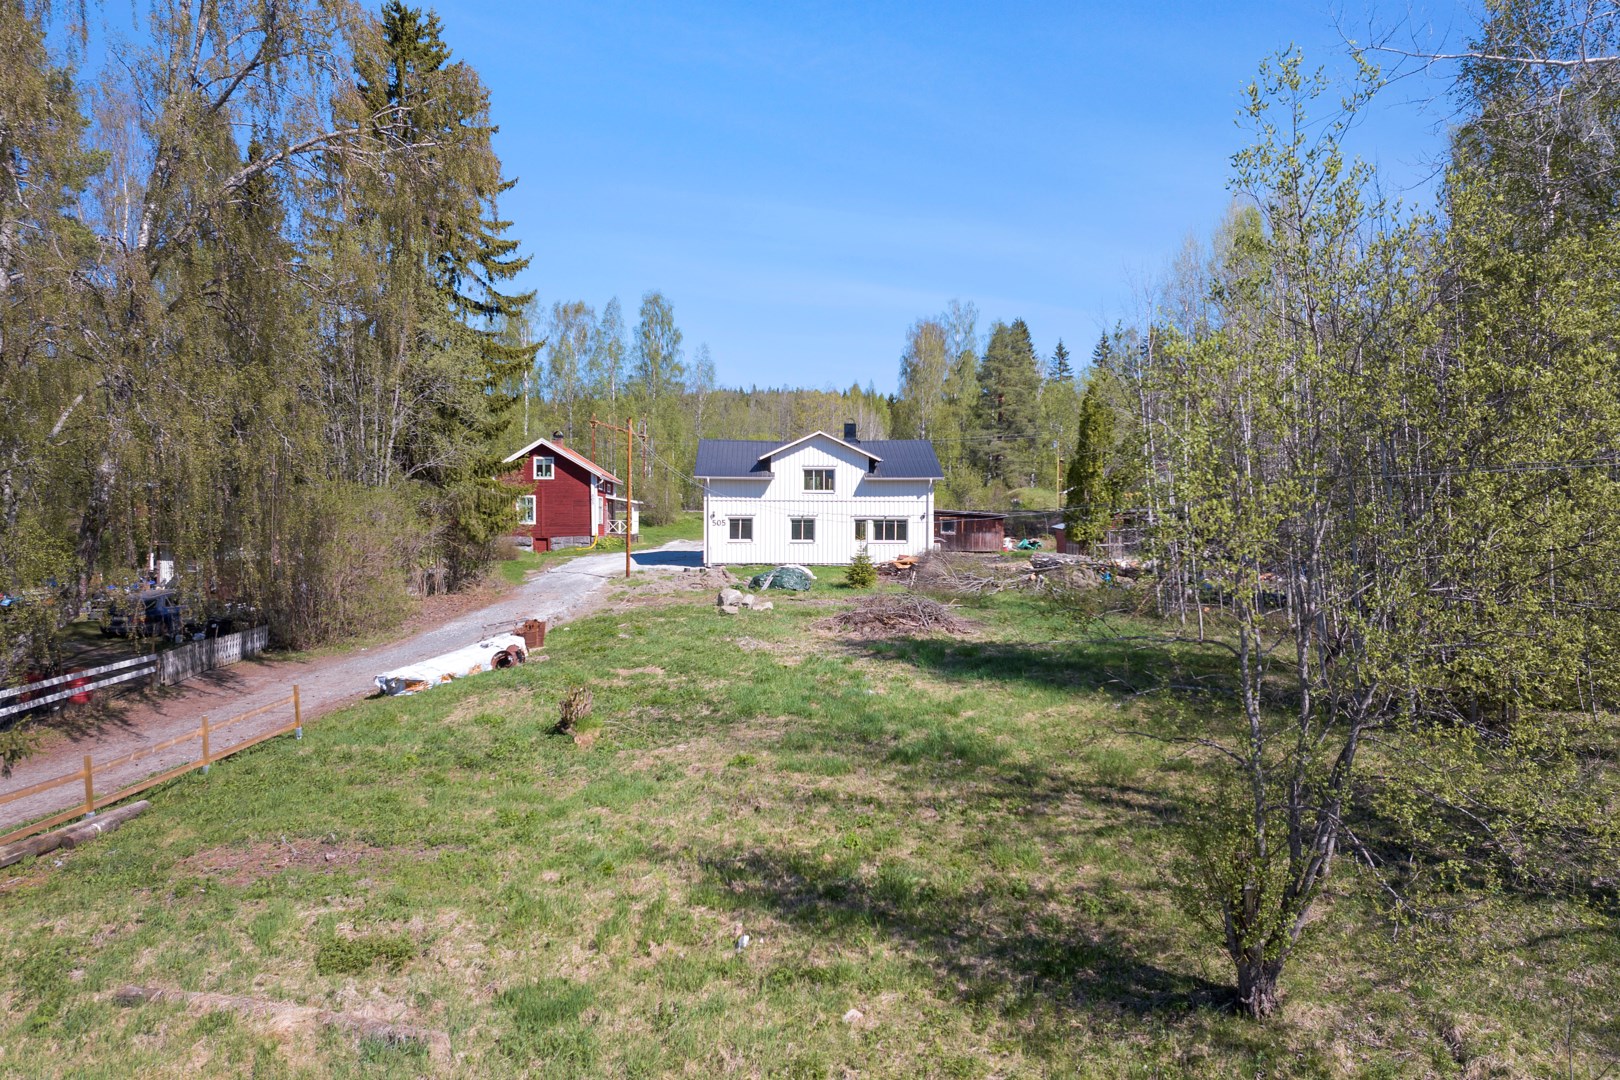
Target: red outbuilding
{"x":568,"y":500}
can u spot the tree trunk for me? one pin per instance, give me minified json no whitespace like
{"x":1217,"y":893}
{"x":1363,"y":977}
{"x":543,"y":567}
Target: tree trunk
{"x":1257,"y":986}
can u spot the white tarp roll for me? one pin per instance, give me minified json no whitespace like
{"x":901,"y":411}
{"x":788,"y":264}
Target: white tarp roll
{"x":488,"y":654}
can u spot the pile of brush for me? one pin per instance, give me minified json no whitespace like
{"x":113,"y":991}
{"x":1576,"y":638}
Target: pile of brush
{"x":898,"y":614}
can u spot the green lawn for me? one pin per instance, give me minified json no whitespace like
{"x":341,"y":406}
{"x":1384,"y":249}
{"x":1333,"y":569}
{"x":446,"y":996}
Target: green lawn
{"x":688,"y":525}
{"x":949,"y":837}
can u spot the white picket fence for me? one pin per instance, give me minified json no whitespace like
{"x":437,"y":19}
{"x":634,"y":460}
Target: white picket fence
{"x":176,"y":665}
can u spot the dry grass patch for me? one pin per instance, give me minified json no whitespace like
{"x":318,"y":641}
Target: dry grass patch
{"x":244,"y":865}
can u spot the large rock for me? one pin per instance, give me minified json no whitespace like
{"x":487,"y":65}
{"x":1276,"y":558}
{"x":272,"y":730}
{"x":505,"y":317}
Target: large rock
{"x":729,"y":598}
{"x":748,"y":600}
{"x":729,"y":609}
{"x":764,"y":605}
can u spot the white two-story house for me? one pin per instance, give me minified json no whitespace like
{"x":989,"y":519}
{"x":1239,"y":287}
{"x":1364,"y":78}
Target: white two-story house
{"x":817,"y":499}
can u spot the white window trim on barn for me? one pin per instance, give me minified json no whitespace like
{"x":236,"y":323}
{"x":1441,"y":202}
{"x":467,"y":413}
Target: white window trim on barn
{"x":526,"y":509}
{"x":549,"y":472}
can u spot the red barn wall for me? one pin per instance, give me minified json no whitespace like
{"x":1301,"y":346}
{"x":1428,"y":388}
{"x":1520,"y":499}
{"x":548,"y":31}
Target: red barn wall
{"x":562,"y":505}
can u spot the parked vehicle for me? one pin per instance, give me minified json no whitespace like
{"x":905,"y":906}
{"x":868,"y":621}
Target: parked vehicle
{"x":148,"y":613}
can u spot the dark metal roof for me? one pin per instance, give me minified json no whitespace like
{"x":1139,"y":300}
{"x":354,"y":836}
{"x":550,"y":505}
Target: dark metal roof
{"x":986,"y":514}
{"x":903,"y":459}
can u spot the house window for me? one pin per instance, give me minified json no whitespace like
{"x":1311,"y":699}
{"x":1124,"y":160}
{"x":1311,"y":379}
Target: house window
{"x":860,"y":529}
{"x":804,"y":529}
{"x":525,"y":509}
{"x":742,"y":528}
{"x":818,"y":479}
{"x":888,"y":529}
{"x":947,"y":528}
{"x":545,"y":468}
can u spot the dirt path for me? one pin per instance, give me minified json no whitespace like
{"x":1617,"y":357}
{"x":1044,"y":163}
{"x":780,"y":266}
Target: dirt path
{"x":564,"y":592}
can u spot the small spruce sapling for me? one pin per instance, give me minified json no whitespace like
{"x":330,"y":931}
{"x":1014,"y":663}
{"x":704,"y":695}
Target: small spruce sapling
{"x":861,"y":573}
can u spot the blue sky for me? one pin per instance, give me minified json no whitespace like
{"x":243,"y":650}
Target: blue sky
{"x":803,"y":182}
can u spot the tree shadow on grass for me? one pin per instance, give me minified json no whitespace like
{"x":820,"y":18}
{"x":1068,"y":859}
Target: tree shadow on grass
{"x":1011,"y":950}
{"x":1114,"y":666}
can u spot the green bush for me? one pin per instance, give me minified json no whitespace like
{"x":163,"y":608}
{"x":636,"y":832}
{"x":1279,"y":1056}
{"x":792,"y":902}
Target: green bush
{"x":861,"y":573}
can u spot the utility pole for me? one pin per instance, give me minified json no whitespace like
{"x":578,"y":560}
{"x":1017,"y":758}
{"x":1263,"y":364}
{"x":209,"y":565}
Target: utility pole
{"x":629,"y":430}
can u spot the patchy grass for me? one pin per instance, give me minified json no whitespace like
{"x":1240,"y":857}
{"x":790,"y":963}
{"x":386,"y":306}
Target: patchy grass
{"x":953,"y":838}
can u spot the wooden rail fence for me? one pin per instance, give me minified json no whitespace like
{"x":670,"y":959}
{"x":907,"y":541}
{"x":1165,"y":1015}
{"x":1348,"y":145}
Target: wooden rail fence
{"x":204,"y":732}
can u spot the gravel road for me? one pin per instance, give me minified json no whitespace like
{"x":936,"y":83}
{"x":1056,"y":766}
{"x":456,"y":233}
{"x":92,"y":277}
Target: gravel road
{"x":564,"y":592}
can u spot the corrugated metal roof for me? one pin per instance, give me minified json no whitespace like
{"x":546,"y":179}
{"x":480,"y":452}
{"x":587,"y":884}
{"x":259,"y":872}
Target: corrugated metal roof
{"x":902,"y":459}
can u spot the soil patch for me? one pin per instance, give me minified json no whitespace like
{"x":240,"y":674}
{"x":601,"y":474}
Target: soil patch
{"x":245,"y":865}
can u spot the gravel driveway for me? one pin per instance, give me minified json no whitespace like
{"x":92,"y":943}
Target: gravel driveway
{"x":561,"y":593}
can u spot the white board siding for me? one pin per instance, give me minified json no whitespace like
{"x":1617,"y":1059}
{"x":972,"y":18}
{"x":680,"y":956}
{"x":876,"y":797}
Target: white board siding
{"x":773,"y":502}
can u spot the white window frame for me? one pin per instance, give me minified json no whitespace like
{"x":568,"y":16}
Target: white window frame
{"x":795,"y":525}
{"x":832,"y":479}
{"x":876,"y":527}
{"x":860,"y":529}
{"x":551,"y":468}
{"x":732,"y":530}
{"x":526,"y":517}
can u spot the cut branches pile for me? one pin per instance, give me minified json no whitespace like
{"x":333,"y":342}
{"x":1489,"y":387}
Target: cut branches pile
{"x":899,"y":614}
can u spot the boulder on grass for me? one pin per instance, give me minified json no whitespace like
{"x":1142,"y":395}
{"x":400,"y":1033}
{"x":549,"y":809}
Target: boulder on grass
{"x":729,"y":598}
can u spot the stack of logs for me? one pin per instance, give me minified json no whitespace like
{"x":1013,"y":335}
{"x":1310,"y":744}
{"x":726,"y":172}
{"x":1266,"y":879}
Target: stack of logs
{"x":71,"y":837}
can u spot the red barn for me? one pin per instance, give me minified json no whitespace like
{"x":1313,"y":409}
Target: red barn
{"x":569,"y":500}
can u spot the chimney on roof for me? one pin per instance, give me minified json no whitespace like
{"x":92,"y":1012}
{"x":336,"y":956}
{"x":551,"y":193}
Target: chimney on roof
{"x":557,"y":437}
{"x":851,"y":432}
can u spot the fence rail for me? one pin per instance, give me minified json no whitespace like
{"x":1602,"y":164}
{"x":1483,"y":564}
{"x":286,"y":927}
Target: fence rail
{"x":86,"y":775}
{"x":168,"y":668}
{"x":79,"y":682}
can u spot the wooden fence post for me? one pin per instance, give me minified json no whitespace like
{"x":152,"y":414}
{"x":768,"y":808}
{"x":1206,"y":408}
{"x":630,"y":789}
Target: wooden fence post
{"x":298,"y":715}
{"x":89,"y":789}
{"x":205,"y":745}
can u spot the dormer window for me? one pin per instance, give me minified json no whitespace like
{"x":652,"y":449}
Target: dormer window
{"x":545,"y":468}
{"x":818,"y":479}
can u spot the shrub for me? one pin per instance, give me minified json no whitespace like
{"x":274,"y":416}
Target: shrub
{"x":861,"y":573}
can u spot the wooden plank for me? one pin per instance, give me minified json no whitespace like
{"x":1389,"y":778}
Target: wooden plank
{"x":149,"y":782}
{"x":43,"y":785}
{"x":252,"y":713}
{"x":261,"y":737}
{"x":135,"y":755}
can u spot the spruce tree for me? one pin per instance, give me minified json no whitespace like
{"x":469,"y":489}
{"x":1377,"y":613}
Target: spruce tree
{"x":1062,"y":370}
{"x":1088,"y":498}
{"x":1008,"y":406}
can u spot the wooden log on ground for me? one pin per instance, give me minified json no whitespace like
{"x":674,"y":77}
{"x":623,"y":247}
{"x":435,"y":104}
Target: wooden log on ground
{"x":34,"y":845}
{"x":71,"y":836}
{"x":283,"y":1014}
{"x":104,"y":822}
